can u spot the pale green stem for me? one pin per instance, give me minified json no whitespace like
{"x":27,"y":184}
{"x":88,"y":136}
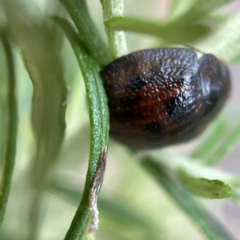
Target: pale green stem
{"x":116,"y":39}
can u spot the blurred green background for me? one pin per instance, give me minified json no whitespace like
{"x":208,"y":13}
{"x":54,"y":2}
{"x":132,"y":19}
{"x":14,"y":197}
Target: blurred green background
{"x":131,"y":205}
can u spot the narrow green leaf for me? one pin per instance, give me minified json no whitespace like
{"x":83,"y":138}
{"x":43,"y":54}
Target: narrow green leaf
{"x":169,"y":31}
{"x":42,"y":60}
{"x":179,"y":7}
{"x":228,"y":38}
{"x":3,"y":96}
{"x":197,"y":168}
{"x":98,"y":114}
{"x":11,"y":128}
{"x":204,"y":187}
{"x":199,"y":9}
{"x":225,"y":147}
{"x":209,"y":227}
{"x":195,"y":9}
{"x":224,"y":134}
{"x":114,"y":210}
{"x":215,"y":134}
{"x":37,"y":43}
{"x":116,"y":39}
{"x":189,"y":23}
{"x":88,"y":33}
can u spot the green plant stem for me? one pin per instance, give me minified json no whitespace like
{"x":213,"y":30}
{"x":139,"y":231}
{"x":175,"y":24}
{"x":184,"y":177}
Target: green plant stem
{"x":99,"y":127}
{"x":88,"y":33}
{"x":116,"y":39}
{"x":209,"y":227}
{"x":10,"y":148}
{"x":168,"y":31}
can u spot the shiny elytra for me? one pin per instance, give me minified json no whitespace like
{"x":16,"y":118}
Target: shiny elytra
{"x":159,"y":97}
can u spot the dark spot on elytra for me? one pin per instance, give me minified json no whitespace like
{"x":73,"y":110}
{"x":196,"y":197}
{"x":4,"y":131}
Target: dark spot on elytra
{"x":154,"y":128}
{"x":130,"y":101}
{"x":125,"y":116}
{"x":137,"y":81}
{"x":172,"y":107}
{"x":125,"y":108}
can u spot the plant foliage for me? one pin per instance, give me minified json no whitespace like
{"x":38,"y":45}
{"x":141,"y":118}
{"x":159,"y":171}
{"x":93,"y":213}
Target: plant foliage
{"x":55,"y":135}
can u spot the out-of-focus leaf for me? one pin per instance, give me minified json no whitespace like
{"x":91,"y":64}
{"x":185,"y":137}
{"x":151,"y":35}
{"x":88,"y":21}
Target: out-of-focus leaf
{"x":99,"y":122}
{"x":42,"y":60}
{"x":11,"y":128}
{"x":8,"y":236}
{"x":235,"y":186}
{"x":227,"y":37}
{"x":119,"y":213}
{"x":193,"y":10}
{"x":187,"y":24}
{"x":179,"y":7}
{"x":236,"y":59}
{"x":88,"y":33}
{"x":215,"y":134}
{"x":199,"y":9}
{"x":204,"y":187}
{"x":209,"y":227}
{"x":224,"y":134}
{"x":190,"y":165}
{"x":169,"y":32}
{"x":225,"y":147}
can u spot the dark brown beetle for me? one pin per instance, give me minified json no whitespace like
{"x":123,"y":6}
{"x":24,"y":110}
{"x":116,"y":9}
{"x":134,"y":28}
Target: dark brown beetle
{"x":159,"y":97}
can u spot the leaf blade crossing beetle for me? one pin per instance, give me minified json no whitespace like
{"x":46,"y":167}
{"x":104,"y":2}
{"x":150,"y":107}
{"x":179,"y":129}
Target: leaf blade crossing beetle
{"x":159,"y":97}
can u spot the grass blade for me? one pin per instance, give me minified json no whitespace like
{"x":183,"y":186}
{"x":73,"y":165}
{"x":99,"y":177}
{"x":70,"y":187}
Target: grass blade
{"x":216,"y":133}
{"x":225,"y":147}
{"x":232,"y":38}
{"x":114,"y":210}
{"x":42,"y":60}
{"x":78,"y":11}
{"x":209,"y":227}
{"x":11,"y":126}
{"x":200,"y":9}
{"x":3,"y":93}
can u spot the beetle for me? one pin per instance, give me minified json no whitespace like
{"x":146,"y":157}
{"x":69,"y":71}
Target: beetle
{"x":163,"y":96}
